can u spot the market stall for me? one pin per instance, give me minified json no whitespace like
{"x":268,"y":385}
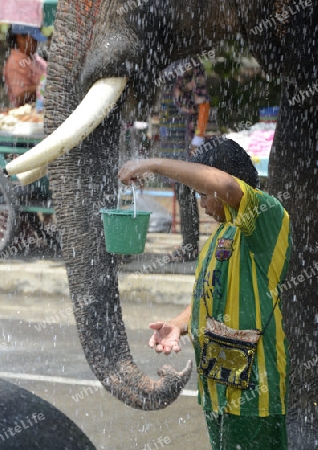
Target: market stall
{"x":20,"y":130}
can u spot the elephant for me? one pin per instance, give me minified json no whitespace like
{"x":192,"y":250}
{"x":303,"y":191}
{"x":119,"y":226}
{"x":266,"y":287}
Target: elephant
{"x":106,"y":55}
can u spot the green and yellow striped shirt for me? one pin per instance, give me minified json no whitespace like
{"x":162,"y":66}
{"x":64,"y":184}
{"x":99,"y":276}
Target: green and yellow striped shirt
{"x":239,"y":271}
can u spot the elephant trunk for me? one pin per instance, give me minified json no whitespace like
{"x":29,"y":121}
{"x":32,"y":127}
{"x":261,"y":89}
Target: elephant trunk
{"x":82,"y":183}
{"x":133,"y":388}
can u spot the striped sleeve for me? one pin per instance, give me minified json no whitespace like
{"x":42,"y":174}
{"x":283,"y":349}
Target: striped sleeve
{"x":259,"y":217}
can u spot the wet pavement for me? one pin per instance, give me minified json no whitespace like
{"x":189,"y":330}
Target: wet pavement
{"x":40,"y":350}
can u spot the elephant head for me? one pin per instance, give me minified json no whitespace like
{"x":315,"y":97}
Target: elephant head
{"x":98,"y":48}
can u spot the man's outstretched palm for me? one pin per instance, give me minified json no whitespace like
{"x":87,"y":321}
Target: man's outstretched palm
{"x":165,"y":337}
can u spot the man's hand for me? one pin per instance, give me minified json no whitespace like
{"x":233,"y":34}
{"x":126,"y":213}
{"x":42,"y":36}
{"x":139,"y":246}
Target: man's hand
{"x":135,"y":170}
{"x":165,"y":337}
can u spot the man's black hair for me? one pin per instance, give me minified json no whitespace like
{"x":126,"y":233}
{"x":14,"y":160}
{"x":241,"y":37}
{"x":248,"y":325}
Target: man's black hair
{"x":227,"y":155}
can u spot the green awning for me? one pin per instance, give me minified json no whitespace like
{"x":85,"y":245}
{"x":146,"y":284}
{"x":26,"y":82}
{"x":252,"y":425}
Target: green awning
{"x":49,"y":11}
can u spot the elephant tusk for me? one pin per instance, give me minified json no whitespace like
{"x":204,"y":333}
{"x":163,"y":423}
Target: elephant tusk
{"x":32,"y":175}
{"x":95,"y":106}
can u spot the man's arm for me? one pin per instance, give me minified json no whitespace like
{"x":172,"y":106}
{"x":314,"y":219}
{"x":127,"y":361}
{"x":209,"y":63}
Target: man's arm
{"x":181,"y":321}
{"x":208,"y":180}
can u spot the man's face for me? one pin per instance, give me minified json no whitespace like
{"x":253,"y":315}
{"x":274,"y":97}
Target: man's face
{"x":213,"y":206}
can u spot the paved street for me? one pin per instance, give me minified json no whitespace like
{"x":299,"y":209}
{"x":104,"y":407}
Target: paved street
{"x":41,"y":352}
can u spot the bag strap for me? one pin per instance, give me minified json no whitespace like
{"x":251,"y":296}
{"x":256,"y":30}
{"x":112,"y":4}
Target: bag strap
{"x":203,"y":272}
{"x":270,"y":317}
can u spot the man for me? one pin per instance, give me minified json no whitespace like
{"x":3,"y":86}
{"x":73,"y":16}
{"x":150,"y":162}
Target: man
{"x":238,"y":275}
{"x":23,"y":68}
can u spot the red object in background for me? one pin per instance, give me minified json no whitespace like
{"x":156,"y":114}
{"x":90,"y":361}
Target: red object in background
{"x":21,"y":72}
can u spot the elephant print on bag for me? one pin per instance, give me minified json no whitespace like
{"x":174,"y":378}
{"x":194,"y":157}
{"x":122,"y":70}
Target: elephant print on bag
{"x":233,"y":359}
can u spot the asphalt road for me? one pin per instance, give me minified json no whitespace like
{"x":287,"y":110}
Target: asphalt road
{"x":49,"y":362}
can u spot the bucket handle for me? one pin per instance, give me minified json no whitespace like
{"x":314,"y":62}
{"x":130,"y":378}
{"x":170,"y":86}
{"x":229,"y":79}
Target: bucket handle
{"x":119,"y":203}
{"x":134,"y":197}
